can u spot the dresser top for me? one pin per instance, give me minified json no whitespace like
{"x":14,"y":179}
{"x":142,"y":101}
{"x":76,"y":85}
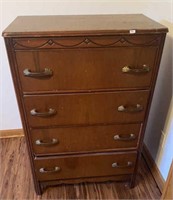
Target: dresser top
{"x":69,"y":25}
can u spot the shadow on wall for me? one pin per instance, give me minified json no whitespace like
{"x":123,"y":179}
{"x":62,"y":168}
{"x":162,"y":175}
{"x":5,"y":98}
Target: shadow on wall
{"x":162,"y":97}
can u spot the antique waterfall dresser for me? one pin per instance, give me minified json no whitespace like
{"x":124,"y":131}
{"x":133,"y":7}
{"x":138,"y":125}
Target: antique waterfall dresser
{"x":84,"y":86}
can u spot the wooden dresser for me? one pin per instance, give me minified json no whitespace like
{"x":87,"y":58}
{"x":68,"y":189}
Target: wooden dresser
{"x":84,"y":86}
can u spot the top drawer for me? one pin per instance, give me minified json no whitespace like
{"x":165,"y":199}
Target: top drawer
{"x":80,"y":69}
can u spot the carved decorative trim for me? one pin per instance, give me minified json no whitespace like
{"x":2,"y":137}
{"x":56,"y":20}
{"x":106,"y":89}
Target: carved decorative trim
{"x":58,"y":43}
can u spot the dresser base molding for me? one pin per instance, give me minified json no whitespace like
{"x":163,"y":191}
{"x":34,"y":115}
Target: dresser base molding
{"x":44,"y":185}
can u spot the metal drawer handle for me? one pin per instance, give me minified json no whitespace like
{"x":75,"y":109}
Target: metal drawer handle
{"x":136,"y":108}
{"x":128,"y":69}
{"x":43,"y":170}
{"x":130,"y":137}
{"x":41,"y":143}
{"x":50,"y":112}
{"x":116,"y":165}
{"x":46,"y":73}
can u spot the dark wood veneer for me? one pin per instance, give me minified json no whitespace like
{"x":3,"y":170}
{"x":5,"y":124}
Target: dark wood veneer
{"x":95,"y":108}
{"x":99,"y":68}
{"x":89,"y":139}
{"x":81,"y":166}
{"x":85,"y":85}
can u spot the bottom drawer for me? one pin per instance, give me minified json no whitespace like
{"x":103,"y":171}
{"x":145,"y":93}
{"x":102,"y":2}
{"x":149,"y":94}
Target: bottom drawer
{"x":87,"y":165}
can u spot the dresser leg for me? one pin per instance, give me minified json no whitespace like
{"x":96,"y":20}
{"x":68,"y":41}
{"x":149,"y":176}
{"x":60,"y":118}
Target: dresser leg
{"x":133,"y":178}
{"x":38,"y":188}
{"x":132,"y":182}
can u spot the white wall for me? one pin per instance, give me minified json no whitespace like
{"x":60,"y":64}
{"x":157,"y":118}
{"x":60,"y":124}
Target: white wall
{"x":159,"y":10}
{"x":165,"y":150}
{"x":159,"y":135}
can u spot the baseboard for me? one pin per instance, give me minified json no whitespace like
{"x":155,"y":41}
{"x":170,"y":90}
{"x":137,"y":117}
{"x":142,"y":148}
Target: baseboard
{"x":168,"y":189}
{"x":153,"y":168}
{"x":11,"y":133}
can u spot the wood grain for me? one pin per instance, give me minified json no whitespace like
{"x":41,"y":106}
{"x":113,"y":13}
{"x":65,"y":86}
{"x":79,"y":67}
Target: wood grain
{"x":89,"y":139}
{"x":81,"y":24}
{"x":168,"y":188}
{"x":83,"y":166}
{"x":16,"y":181}
{"x":11,"y":133}
{"x":87,"y":69}
{"x":94,"y":108}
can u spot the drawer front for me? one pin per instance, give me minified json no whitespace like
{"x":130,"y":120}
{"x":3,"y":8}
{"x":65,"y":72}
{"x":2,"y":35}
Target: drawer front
{"x":84,"y":139}
{"x":84,"y":166}
{"x":97,"y":108}
{"x":86,"y":69}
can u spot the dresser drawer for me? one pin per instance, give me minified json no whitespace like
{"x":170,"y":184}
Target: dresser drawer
{"x":68,"y":167}
{"x":86,"y":69}
{"x":96,"y":108}
{"x":85,"y":139}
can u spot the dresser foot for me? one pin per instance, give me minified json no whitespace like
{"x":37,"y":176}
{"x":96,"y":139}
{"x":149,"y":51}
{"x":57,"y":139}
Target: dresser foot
{"x":132,"y":182}
{"x":129,"y":185}
{"x":39,"y":189}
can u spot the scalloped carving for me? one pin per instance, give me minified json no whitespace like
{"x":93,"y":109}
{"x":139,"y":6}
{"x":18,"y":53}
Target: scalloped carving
{"x":78,"y":42}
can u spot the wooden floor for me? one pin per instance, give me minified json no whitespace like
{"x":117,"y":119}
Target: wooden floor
{"x":16,"y":181}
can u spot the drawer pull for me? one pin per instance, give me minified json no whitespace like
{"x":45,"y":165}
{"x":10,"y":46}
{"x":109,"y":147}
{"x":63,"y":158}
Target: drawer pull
{"x":116,"y":165}
{"x":136,"y":108}
{"x":56,"y":169}
{"x":130,"y":137}
{"x":41,"y":143}
{"x":50,"y":112}
{"x":46,"y":73}
{"x":128,"y":69}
